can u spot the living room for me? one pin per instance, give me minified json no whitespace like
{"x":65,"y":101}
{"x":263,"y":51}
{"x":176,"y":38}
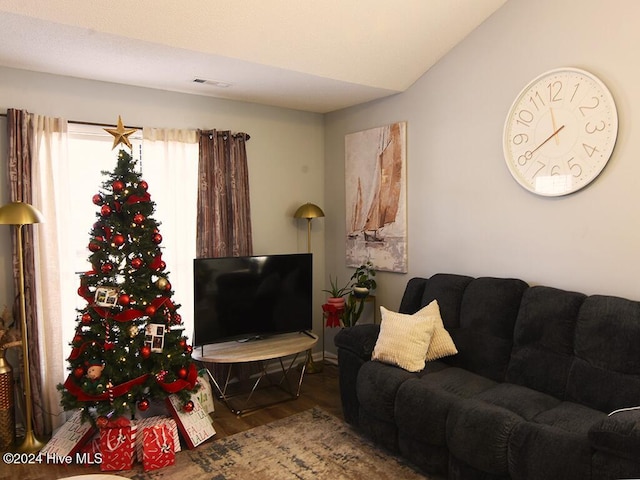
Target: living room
{"x":466,"y":214}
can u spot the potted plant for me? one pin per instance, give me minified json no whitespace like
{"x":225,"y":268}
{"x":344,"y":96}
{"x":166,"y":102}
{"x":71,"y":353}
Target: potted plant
{"x":336,"y":293}
{"x":363,"y":281}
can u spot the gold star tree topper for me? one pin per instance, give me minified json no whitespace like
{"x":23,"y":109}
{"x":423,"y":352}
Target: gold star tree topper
{"x":120,"y":134}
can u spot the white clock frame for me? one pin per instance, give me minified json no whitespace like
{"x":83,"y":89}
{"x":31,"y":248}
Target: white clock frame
{"x":560,"y":132}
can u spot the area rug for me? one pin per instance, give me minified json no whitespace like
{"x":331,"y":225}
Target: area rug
{"x":311,"y":445}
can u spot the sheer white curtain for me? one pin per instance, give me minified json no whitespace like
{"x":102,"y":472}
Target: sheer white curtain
{"x":170,"y":167}
{"x":49,"y":174}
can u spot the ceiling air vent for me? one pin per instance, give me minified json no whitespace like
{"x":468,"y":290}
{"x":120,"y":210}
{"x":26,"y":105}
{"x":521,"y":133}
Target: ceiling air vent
{"x":213,"y":83}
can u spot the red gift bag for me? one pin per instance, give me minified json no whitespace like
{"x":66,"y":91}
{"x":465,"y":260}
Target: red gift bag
{"x":117,"y":445}
{"x":158,"y":448}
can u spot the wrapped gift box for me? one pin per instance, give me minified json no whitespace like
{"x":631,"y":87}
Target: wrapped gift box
{"x":158,"y":447}
{"x":70,"y":437}
{"x":195,"y":426}
{"x":117,"y":441}
{"x":205,"y":393}
{"x":153,"y":421}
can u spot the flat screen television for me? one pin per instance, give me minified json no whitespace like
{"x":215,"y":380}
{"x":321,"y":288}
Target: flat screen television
{"x":242,"y":298}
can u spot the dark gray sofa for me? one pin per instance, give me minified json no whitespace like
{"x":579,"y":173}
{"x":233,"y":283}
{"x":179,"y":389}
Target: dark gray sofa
{"x":529,"y":394}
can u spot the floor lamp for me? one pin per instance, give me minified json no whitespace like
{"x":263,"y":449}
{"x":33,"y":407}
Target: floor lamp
{"x":311,"y":211}
{"x":21,"y":214}
{"x":308,"y":211}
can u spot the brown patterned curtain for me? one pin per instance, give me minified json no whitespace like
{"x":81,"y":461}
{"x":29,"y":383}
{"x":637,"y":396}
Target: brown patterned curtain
{"x":224,"y":213}
{"x":19,"y":171}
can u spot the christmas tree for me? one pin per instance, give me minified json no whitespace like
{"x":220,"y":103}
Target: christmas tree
{"x":129,"y":347}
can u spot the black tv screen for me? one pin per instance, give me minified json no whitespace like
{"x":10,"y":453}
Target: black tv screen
{"x":239,"y":298}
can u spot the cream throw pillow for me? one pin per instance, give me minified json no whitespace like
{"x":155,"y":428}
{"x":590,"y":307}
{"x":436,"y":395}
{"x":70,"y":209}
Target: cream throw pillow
{"x":441,"y":343}
{"x":404,"y":339}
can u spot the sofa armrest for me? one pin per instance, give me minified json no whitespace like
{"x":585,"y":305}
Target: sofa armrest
{"x":359,"y":339}
{"x":618,"y":434}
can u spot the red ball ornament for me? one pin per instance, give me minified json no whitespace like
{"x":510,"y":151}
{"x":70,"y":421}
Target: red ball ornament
{"x":143,"y":185}
{"x":136,"y":262}
{"x":150,"y":310}
{"x":106,"y":268}
{"x":188,"y":407}
{"x":182,"y":373}
{"x":157,"y":238}
{"x":117,"y":186}
{"x":102,"y":421}
{"x":94,"y":246}
{"x":108,"y":346}
{"x":143,"y":405}
{"x":145,"y":351}
{"x":182,"y":343}
{"x":138,"y":218}
{"x":78,"y":372}
{"x":98,"y":199}
{"x":86,"y":318}
{"x":162,"y":265}
{"x":105,"y":211}
{"x":118,"y":240}
{"x":124,"y":299}
{"x":189,"y":349}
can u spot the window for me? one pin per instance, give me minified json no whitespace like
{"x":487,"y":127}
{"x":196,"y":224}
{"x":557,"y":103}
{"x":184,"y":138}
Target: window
{"x":170,"y":169}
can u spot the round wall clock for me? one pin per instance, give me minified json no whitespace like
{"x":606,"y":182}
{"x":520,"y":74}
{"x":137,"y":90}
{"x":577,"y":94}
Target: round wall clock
{"x":560,"y":132}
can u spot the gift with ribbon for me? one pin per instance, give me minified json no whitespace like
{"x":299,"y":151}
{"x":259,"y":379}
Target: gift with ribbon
{"x":117,"y":440}
{"x":158,"y":447}
{"x":159,"y":420}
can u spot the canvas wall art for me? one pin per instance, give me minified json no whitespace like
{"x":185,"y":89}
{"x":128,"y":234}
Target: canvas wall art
{"x":376,"y":199}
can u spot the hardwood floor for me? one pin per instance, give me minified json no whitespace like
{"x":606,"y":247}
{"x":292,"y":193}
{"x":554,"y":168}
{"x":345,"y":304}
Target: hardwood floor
{"x":318,"y":389}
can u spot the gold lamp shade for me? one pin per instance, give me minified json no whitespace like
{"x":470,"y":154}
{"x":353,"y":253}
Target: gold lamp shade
{"x":308,"y":210}
{"x":19,"y":213}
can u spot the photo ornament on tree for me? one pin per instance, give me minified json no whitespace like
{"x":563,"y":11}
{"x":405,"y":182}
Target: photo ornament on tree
{"x":106,"y":296}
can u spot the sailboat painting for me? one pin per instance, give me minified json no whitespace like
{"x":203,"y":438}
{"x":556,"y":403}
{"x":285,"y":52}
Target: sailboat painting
{"x":376,"y":206}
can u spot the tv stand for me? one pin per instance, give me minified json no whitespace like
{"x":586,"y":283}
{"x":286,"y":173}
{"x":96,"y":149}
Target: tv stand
{"x":250,"y":339}
{"x":277,"y":347}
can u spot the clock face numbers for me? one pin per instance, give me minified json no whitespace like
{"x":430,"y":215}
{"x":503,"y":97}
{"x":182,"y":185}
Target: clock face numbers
{"x":560,"y":132}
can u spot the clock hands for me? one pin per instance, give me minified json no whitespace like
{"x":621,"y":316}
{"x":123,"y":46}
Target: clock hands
{"x":529,"y":154}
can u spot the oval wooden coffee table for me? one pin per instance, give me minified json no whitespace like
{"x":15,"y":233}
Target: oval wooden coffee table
{"x":264,"y":352}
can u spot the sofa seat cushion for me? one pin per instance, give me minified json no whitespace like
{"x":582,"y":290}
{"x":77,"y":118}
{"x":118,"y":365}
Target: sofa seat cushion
{"x":423,"y":403}
{"x":376,"y":387}
{"x":618,"y":434}
{"x":554,"y":444}
{"x":523,"y":401}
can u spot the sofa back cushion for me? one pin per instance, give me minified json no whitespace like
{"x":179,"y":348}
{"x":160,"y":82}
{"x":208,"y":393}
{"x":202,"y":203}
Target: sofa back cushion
{"x":543,"y":340}
{"x":478,"y":313}
{"x":606,"y":370}
{"x":484,"y":334}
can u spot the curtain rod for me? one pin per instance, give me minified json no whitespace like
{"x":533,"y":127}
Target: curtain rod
{"x":94,"y":124}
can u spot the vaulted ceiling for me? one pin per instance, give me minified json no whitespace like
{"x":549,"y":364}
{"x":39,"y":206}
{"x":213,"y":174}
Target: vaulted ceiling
{"x":316,"y":56}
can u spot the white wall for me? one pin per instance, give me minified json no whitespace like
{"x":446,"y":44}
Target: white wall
{"x":466,"y":213}
{"x":285,"y":153}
